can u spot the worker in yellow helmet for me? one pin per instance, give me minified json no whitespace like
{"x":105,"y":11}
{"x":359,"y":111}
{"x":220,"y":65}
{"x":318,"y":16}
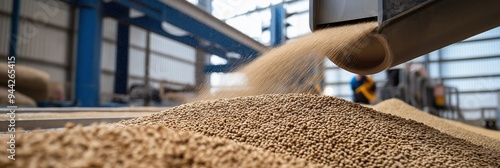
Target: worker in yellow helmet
{"x":364,"y":89}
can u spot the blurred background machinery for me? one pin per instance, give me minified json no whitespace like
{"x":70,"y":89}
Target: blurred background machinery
{"x":110,"y":53}
{"x":412,"y":28}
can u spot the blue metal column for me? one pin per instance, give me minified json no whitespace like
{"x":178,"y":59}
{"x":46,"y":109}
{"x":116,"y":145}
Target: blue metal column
{"x":277,"y":25}
{"x":122,"y":56}
{"x":88,"y":63}
{"x":14,"y":27}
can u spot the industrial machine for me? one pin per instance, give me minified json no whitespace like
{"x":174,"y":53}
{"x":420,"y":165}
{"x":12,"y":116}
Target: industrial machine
{"x":413,"y":85}
{"x":167,"y":94}
{"x":407,"y":28}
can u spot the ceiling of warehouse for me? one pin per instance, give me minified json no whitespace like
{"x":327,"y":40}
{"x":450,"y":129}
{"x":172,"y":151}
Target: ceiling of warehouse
{"x":224,"y":9}
{"x":252,"y":17}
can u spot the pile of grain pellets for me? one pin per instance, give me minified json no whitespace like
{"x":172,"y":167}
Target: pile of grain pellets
{"x":150,"y":146}
{"x":274,"y":130}
{"x":478,"y":136}
{"x":324,"y":130}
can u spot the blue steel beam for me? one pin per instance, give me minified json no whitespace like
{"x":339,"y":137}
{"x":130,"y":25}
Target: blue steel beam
{"x":155,"y":26}
{"x":14,"y":27}
{"x":230,"y":66}
{"x":110,"y":9}
{"x":71,"y":2}
{"x":277,"y":25}
{"x":159,"y":11}
{"x":220,"y":68}
{"x":88,"y":63}
{"x":122,"y":55}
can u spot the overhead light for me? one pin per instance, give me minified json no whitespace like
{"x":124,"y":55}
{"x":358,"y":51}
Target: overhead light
{"x":173,"y":29}
{"x":135,"y":13}
{"x":233,"y":55}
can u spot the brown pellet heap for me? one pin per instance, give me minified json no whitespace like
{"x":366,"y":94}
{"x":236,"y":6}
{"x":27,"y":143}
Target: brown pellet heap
{"x":475,"y":135}
{"x":324,"y":130}
{"x":153,"y":146}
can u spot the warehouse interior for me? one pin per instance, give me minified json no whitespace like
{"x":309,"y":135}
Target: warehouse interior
{"x":104,"y":61}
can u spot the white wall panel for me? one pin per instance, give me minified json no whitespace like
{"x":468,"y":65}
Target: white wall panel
{"x":475,"y":84}
{"x":106,"y":88}
{"x":345,"y":89}
{"x":297,"y":6}
{"x":298,"y":28}
{"x":109,"y":28}
{"x":471,"y":67}
{"x":328,"y":63}
{"x":172,"y":48}
{"x":107,"y":83}
{"x":47,"y":11}
{"x":168,"y":69}
{"x":346,"y":76}
{"x":108,"y":56}
{"x":331,"y":75}
{"x":43,"y":43}
{"x":464,"y":50}
{"x":433,"y":70}
{"x":225,"y":80}
{"x":138,"y":36}
{"x":478,"y":100}
{"x":433,"y":56}
{"x":381,"y":76}
{"x":136,"y":62}
{"x":252,"y":30}
{"x":471,"y":49}
{"x":495,"y":32}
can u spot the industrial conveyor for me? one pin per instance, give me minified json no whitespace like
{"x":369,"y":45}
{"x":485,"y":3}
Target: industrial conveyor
{"x":407,"y":28}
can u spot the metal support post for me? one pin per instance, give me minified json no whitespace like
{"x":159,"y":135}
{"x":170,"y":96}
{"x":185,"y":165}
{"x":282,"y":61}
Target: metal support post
{"x":14,"y":27}
{"x":88,"y":63}
{"x":277,"y":27}
{"x":122,"y":58}
{"x":147,"y":68}
{"x":200,"y":68}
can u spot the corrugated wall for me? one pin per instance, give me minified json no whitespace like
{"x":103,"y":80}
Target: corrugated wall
{"x":169,"y":61}
{"x":172,"y":61}
{"x":473,"y":66}
{"x":45,"y":36}
{"x":108,"y":58}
